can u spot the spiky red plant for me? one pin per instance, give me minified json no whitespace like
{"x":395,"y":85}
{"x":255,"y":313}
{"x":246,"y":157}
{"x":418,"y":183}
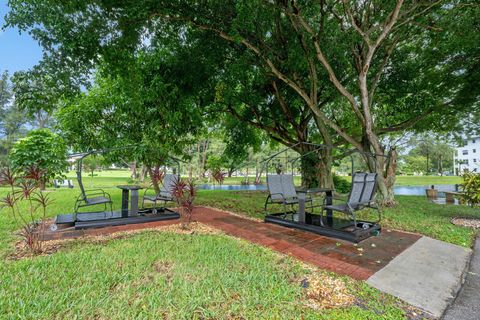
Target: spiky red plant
{"x":184,"y":193}
{"x":218,"y":176}
{"x":26,"y":189}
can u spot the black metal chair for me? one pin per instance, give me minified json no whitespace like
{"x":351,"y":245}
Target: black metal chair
{"x":165,"y":194}
{"x":282,"y":191}
{"x":362,"y":195}
{"x":92,"y":197}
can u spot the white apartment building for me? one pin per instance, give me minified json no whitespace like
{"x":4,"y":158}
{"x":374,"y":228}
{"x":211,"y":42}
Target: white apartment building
{"x":467,"y":156}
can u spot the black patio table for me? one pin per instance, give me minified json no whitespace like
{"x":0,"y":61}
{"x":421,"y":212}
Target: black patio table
{"x":301,"y":202}
{"x":126,"y":189}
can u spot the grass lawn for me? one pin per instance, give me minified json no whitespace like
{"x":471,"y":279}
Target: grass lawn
{"x":112,"y":177}
{"x":426,"y":180}
{"x":155,"y":274}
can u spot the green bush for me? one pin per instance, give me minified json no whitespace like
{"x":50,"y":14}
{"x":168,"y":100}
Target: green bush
{"x":41,"y":149}
{"x":471,"y":188}
{"x":341,"y":184}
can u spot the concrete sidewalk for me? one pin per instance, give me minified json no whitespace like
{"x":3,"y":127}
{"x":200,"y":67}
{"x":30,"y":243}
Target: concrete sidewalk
{"x":467,"y":304}
{"x":427,"y":275}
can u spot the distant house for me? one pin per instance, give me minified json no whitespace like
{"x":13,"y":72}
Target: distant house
{"x":467,"y":157}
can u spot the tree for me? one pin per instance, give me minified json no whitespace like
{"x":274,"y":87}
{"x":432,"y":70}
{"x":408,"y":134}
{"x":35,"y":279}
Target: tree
{"x":93,"y":163}
{"x":239,"y":140}
{"x":12,"y":119}
{"x":413,"y":164}
{"x":437,"y":153}
{"x":43,"y":150}
{"x":147,"y":111}
{"x":349,"y":69}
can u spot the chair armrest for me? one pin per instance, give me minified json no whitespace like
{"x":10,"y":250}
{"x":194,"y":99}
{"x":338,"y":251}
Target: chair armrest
{"x":281,"y":194}
{"x":94,"y":192}
{"x":365,"y":203}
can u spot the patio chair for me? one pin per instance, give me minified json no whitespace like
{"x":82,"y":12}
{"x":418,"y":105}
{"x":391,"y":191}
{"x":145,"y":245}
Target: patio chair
{"x":282,"y":191}
{"x":362,"y":195}
{"x":165,"y":193}
{"x":92,"y":197}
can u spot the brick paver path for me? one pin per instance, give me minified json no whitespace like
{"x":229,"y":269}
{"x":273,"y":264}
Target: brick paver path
{"x":357,"y":261}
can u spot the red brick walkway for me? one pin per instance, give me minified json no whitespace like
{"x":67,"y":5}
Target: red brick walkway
{"x":357,"y":261}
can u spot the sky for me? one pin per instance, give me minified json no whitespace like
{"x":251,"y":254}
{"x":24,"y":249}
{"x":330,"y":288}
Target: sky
{"x":17,"y":51}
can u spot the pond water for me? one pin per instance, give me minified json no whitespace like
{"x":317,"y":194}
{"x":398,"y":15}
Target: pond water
{"x":399,"y":190}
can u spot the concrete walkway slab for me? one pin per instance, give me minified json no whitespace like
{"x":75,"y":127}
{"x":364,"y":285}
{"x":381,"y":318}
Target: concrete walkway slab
{"x":467,"y":304}
{"x":427,"y":275}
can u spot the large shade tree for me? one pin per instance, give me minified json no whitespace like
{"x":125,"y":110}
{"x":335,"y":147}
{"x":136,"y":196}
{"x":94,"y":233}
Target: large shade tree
{"x":361,"y":69}
{"x":140,"y":115}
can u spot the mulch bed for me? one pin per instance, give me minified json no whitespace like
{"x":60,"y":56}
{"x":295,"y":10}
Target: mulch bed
{"x":466,"y":222}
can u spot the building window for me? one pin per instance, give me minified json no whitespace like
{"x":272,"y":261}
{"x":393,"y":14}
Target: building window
{"x":474,"y":150}
{"x":474,"y":160}
{"x":464,"y":152}
{"x":473,"y":141}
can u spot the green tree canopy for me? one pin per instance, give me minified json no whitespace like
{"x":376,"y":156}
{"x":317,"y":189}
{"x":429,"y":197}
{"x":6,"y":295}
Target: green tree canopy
{"x":346,"y":72}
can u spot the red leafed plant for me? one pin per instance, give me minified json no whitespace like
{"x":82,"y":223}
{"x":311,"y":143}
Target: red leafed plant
{"x":218,"y":176}
{"x":157,"y":175}
{"x":24,"y":189}
{"x":184,"y":193}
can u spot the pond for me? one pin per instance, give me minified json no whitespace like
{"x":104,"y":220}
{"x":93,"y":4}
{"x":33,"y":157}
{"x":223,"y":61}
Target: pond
{"x":399,"y":190}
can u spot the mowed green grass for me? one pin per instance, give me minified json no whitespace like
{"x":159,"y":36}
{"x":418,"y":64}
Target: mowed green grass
{"x":122,"y":176}
{"x":426,"y":180}
{"x":155,"y":274}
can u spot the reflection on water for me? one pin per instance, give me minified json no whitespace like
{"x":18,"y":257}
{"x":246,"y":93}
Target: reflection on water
{"x":400,"y":190}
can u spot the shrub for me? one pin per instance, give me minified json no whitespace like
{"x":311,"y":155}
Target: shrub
{"x":218,"y":176}
{"x":341,"y":184}
{"x":43,"y":150}
{"x":184,"y":193}
{"x":471,"y":188}
{"x":24,"y":201}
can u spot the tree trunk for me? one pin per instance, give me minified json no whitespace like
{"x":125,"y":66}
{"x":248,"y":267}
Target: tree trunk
{"x":440,"y":165}
{"x":386,"y":168}
{"x":202,"y":158}
{"x":317,"y":171}
{"x":390,"y":176}
{"x":133,"y":170}
{"x":258,"y":174}
{"x":427,"y":166}
{"x":143,"y":173}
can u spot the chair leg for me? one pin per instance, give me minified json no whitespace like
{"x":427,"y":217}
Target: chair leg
{"x":321,"y":217}
{"x":105,"y":211}
{"x":265,"y":206}
{"x":354,"y":216}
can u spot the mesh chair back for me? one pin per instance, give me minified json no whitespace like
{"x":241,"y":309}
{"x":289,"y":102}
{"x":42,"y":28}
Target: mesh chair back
{"x":358,"y":183}
{"x":288,"y":186}
{"x":80,"y":184}
{"x":369,"y":189}
{"x":167,"y":184}
{"x":274,"y":183}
